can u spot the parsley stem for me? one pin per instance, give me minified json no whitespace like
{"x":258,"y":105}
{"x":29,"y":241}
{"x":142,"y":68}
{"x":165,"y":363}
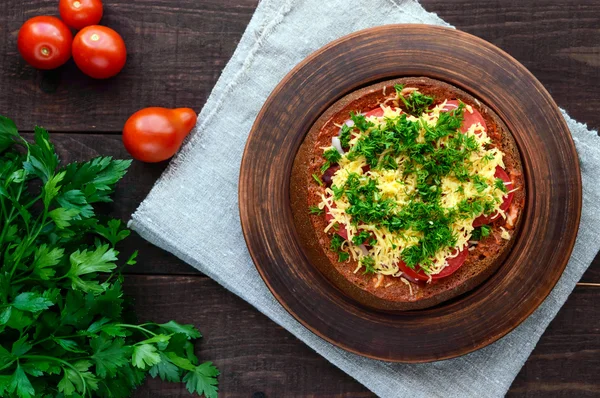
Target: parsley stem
{"x":8,"y":365}
{"x":136,"y":327}
{"x":62,"y":362}
{"x":21,"y":280}
{"x":12,"y":210}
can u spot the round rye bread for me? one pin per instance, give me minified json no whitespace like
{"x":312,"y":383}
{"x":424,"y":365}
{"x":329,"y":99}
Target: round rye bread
{"x":395,"y":293}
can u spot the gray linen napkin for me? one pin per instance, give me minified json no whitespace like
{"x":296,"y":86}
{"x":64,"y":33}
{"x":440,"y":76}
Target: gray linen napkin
{"x":192,"y":211}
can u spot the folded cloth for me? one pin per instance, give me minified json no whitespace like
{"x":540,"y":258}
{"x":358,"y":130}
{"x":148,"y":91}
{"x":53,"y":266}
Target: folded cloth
{"x":192,"y":211}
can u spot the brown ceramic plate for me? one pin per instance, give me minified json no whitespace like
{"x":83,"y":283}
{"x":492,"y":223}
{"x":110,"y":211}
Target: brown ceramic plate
{"x":550,"y":218}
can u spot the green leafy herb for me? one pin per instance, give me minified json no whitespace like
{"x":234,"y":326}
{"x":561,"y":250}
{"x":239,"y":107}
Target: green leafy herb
{"x":316,"y":210}
{"x":361,"y":238}
{"x":345,"y":136}
{"x":480,"y":184}
{"x":485,"y":230}
{"x":343,"y":256}
{"x":481,"y":232}
{"x":360,"y":121}
{"x":500,"y":185}
{"x":369,"y":264}
{"x":336,"y":242}
{"x":62,"y":328}
{"x":415,"y":103}
{"x":336,"y":246}
{"x":318,"y":179}
{"x":332,"y":155}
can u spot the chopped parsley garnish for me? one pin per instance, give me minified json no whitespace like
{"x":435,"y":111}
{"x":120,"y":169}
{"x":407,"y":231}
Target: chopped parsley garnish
{"x":487,"y":158}
{"x":369,"y":264}
{"x":500,"y":185}
{"x":420,"y":155}
{"x":336,"y":246}
{"x":316,"y":210}
{"x":332,"y":155}
{"x":360,"y":121}
{"x":479,"y":183}
{"x":415,"y":103}
{"x":345,"y":136}
{"x":481,"y":232}
{"x":361,"y":238}
{"x":318,"y":179}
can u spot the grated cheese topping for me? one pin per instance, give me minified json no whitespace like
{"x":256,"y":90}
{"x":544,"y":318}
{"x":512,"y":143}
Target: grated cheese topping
{"x":398,"y":188}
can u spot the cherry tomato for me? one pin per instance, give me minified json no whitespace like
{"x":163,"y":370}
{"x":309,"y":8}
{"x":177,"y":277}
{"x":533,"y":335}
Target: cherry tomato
{"x":454,"y":264}
{"x":482,"y":220}
{"x":45,"y":42}
{"x":155,"y":134}
{"x":78,"y":14}
{"x":469,"y":118}
{"x":99,"y":52}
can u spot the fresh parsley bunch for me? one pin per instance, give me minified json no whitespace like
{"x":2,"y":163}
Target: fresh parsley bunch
{"x":62,"y":326}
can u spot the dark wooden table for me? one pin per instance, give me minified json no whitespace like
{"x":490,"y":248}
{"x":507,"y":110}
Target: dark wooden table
{"x":177,"y":49}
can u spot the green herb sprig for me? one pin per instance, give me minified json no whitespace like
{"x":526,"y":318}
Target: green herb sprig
{"x":63,"y":328}
{"x":415,"y":103}
{"x":428,"y":161}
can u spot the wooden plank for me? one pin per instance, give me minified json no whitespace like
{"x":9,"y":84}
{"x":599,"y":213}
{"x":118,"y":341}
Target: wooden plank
{"x":178,"y":49}
{"x":256,"y":356}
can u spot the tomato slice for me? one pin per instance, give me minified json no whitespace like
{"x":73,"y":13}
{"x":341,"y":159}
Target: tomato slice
{"x":342,"y":231}
{"x":377,"y":112}
{"x":453,"y":265}
{"x":482,"y":220}
{"x":469,"y":118}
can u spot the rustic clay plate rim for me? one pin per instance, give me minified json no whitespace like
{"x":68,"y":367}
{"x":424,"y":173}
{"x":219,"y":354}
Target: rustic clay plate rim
{"x":464,"y":350}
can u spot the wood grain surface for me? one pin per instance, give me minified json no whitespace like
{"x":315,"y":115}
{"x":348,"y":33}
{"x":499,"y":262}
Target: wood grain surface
{"x":556,"y":40}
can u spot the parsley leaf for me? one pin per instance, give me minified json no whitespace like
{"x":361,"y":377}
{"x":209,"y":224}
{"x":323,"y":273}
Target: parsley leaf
{"x":369,"y":264}
{"x":332,"y":155}
{"x":336,"y":242}
{"x":20,"y":384}
{"x":485,"y":230}
{"x":343,"y":256}
{"x":145,"y":355}
{"x":415,"y":103}
{"x":480,"y":184}
{"x":345,"y":136}
{"x":61,"y":320}
{"x":360,"y":121}
{"x":317,"y":179}
{"x":500,"y":185}
{"x":315,"y":210}
{"x":203,"y":380}
{"x":32,"y":302}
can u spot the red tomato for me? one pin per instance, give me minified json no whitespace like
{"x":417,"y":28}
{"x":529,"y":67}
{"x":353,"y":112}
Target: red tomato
{"x":453,"y":265}
{"x":469,"y":118}
{"x":155,"y":134}
{"x":45,"y":42}
{"x":377,"y":112}
{"x":482,"y":220}
{"x":80,"y":13}
{"x":99,"y":52}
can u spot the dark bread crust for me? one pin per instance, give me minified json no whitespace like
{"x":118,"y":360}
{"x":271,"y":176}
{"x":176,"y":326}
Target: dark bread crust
{"x":392,"y":293}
